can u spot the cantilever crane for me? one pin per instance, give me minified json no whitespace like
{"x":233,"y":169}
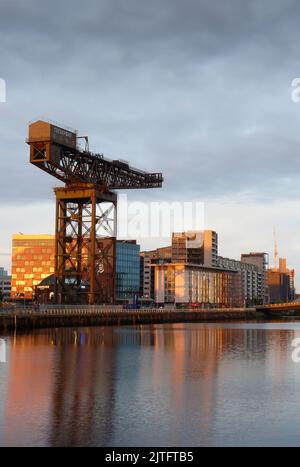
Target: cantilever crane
{"x":85,"y":234}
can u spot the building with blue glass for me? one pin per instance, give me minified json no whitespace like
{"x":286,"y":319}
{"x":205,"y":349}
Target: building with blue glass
{"x":127,"y":270}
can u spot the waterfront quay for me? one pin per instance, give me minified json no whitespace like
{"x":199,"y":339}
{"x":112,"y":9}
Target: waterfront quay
{"x":65,"y":316}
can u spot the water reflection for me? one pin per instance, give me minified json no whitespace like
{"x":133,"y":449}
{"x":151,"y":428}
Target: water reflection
{"x":176,"y":385}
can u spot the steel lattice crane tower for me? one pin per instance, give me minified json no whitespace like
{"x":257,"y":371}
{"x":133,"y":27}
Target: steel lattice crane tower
{"x":86,"y":211}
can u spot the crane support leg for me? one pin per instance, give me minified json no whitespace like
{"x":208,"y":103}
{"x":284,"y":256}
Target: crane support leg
{"x":85,"y":245}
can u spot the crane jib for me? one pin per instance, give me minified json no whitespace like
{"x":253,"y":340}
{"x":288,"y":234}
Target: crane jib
{"x":54,"y":150}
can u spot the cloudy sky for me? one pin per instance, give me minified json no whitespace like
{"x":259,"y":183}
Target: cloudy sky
{"x":200,"y":90}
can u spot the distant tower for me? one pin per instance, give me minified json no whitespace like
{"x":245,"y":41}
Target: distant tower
{"x":275,"y":250}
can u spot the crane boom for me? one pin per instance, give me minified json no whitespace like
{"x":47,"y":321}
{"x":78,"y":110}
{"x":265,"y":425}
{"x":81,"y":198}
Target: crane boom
{"x":55,"y":150}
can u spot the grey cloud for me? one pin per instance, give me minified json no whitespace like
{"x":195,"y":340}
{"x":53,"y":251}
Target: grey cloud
{"x":197,"y":89}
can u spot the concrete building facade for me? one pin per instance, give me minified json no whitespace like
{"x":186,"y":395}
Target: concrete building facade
{"x":147,"y":261}
{"x":146,"y":276}
{"x":251,"y":276}
{"x":261,"y":261}
{"x":5,"y":285}
{"x":195,"y":247}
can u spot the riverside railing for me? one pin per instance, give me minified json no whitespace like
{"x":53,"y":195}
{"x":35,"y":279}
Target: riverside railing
{"x":75,"y":310}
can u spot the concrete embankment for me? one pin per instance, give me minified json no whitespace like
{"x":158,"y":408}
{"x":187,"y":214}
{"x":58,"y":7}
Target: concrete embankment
{"x":26,"y":320}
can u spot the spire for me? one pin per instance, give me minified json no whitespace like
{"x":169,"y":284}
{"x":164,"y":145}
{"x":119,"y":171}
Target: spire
{"x":275,"y":249}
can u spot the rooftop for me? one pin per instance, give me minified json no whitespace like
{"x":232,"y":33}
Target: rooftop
{"x":195,"y":266}
{"x":21,"y":236}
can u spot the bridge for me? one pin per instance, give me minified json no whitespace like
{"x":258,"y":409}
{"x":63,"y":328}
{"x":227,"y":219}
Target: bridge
{"x":280,"y":309}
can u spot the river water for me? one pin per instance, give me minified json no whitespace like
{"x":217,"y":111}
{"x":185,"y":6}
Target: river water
{"x":232,"y":384}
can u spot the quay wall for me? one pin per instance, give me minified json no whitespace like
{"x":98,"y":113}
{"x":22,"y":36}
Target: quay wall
{"x":69,"y":317}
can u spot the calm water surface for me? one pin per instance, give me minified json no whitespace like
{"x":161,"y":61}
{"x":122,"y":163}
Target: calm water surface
{"x":162,"y":385}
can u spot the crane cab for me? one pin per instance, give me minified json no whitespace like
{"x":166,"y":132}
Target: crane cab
{"x":46,"y":141}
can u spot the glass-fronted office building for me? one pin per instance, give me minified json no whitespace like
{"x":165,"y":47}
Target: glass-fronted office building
{"x":188,"y":284}
{"x":127,"y":270}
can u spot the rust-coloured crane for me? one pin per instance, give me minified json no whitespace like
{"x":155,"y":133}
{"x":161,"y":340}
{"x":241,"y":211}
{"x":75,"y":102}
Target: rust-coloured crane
{"x":85,"y":231}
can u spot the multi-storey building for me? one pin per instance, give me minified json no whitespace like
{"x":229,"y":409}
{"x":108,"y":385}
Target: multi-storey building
{"x":261,"y":261}
{"x":291,"y":275}
{"x":147,"y":260}
{"x":193,"y":284}
{"x":195,"y":247}
{"x":5,"y":285}
{"x":32,"y":261}
{"x":146,"y":276}
{"x":251,"y":277}
{"x":200,"y":249}
{"x":187,"y":272}
{"x":127,"y":270}
{"x":280,"y":283}
{"x":160,"y":255}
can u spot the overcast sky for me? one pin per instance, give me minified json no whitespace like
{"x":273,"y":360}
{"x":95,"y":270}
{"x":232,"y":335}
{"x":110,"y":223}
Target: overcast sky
{"x":200,"y":90}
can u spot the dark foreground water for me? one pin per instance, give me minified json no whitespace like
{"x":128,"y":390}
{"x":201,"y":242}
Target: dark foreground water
{"x":162,"y":385}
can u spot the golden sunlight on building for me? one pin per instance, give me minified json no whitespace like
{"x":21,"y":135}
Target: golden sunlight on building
{"x":32,"y":261}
